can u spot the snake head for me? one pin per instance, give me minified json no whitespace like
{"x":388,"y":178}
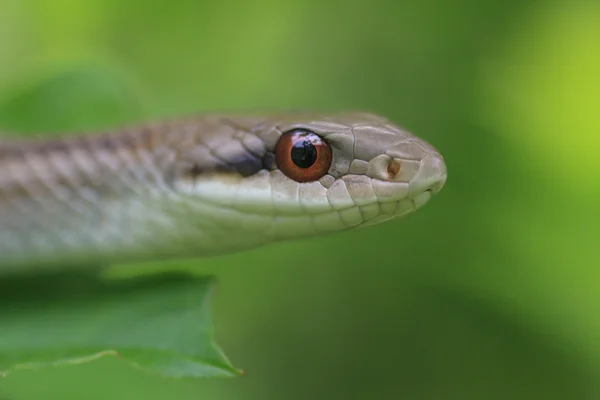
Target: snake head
{"x":303,"y":174}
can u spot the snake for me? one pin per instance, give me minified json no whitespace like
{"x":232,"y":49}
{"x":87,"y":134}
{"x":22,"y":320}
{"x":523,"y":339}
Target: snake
{"x":205,"y":185}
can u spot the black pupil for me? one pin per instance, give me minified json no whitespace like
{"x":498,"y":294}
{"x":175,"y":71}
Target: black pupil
{"x":304,"y":153}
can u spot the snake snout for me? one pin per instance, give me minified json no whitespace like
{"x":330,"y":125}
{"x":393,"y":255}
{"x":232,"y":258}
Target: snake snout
{"x":430,"y":177}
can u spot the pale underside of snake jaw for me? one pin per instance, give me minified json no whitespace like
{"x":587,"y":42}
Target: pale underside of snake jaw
{"x":201,"y":186}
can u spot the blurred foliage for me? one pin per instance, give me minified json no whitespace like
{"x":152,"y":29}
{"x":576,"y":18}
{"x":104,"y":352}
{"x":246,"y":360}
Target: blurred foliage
{"x":159,"y":324}
{"x":82,"y":98}
{"x":491,"y":291}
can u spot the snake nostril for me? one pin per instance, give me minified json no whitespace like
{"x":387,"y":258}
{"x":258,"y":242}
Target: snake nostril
{"x":393,"y":168}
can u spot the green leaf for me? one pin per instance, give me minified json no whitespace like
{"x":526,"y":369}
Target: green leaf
{"x":160,"y":324}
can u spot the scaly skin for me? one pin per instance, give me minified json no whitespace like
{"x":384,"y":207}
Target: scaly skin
{"x":201,"y":186}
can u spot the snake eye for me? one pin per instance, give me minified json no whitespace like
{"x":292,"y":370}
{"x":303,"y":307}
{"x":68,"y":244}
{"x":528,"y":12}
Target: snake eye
{"x":303,"y":155}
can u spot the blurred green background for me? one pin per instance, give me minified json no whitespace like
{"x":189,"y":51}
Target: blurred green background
{"x":492,"y":291}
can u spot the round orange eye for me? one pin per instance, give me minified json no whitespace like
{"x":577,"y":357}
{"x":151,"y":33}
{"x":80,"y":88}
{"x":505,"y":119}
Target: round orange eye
{"x":303,"y":155}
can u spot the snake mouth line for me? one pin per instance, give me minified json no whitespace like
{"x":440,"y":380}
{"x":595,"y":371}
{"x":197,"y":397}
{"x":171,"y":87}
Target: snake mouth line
{"x":391,"y":207}
{"x":388,"y":203}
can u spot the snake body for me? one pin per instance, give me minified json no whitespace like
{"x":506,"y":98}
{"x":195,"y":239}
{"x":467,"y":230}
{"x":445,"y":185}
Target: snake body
{"x":200,"y":186}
